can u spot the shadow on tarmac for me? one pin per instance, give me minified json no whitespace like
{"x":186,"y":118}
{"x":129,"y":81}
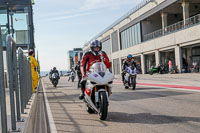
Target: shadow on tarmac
{"x":148,"y":118}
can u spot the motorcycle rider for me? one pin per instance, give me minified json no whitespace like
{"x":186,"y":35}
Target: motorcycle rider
{"x":72,"y":74}
{"x":55,"y":71}
{"x":129,"y":61}
{"x":78,"y":71}
{"x":93,"y":56}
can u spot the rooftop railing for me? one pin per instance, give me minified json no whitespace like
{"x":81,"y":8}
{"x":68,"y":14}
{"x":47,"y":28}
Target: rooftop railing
{"x":173,"y":28}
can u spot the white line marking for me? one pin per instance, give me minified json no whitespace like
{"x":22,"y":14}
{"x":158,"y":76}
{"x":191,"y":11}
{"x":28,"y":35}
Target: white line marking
{"x":49,"y":113}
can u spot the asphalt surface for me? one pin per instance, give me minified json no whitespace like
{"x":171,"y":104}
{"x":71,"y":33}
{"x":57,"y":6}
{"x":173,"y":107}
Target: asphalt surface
{"x":144,"y":110}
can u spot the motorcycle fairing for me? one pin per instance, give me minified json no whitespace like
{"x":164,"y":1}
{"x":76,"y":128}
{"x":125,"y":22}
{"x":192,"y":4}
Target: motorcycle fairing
{"x":99,"y":79}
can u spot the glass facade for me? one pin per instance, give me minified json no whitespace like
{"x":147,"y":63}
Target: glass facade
{"x":21,"y":30}
{"x":73,"y":57}
{"x":130,"y":36}
{"x":106,"y":46}
{"x":72,"y":54}
{"x":16,"y":19}
{"x":3,"y":23}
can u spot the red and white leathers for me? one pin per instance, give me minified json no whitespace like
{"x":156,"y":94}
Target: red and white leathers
{"x":89,"y":59}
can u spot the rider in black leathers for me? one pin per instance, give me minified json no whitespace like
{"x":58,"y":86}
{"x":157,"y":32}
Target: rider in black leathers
{"x":55,"y":71}
{"x":78,"y":71}
{"x":126,"y":63}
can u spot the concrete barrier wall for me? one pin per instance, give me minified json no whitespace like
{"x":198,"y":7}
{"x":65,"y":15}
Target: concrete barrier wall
{"x":29,"y":128}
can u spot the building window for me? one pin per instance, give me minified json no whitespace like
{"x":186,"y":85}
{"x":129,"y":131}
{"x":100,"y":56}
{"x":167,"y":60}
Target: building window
{"x":106,"y":46}
{"x":196,"y":51}
{"x":116,"y":67}
{"x":114,"y":37}
{"x":130,"y":36}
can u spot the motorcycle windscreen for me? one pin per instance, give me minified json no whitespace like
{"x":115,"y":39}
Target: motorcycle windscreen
{"x":98,"y":67}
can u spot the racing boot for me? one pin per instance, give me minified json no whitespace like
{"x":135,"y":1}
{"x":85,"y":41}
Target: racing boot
{"x":81,"y":96}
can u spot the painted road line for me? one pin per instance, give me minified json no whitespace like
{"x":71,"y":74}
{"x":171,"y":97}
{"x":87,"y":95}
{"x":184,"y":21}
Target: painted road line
{"x":192,"y":88}
{"x":49,"y":113}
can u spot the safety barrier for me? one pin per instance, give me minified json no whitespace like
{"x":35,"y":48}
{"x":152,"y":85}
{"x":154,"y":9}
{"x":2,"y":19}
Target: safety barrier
{"x":20,"y":83}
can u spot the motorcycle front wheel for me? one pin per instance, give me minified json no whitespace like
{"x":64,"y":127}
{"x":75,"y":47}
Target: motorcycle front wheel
{"x":151,"y":72}
{"x":55,"y":84}
{"x":103,"y":106}
{"x":133,"y":82}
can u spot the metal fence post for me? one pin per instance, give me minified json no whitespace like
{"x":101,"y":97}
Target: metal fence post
{"x":16,"y":85}
{"x":21,"y":79}
{"x":26,"y":83}
{"x":10,"y":73}
{"x":30,"y":81}
{"x":24,"y":80}
{"x":22,"y":72}
{"x":2,"y":91}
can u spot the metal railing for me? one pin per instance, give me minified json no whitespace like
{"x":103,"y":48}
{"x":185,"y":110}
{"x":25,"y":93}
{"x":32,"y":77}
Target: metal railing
{"x":20,"y":83}
{"x":25,"y":79}
{"x":173,"y":28}
{"x":2,"y":91}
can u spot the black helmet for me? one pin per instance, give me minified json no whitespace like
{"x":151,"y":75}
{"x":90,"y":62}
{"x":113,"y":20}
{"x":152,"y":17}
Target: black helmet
{"x":96,"y":44}
{"x":54,"y":68}
{"x":30,"y":52}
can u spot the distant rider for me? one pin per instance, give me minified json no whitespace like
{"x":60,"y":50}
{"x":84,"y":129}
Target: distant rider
{"x":78,"y":71}
{"x":55,"y":71}
{"x":72,"y":74}
{"x":129,"y":61}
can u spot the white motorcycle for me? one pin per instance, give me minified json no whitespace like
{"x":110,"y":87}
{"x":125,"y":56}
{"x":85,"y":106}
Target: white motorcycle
{"x":98,"y":89}
{"x":130,"y":78}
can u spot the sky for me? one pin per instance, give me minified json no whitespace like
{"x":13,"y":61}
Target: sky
{"x":61,"y":25}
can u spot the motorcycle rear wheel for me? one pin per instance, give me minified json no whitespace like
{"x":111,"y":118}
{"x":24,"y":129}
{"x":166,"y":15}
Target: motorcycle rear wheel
{"x":151,"y":72}
{"x":103,"y":104}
